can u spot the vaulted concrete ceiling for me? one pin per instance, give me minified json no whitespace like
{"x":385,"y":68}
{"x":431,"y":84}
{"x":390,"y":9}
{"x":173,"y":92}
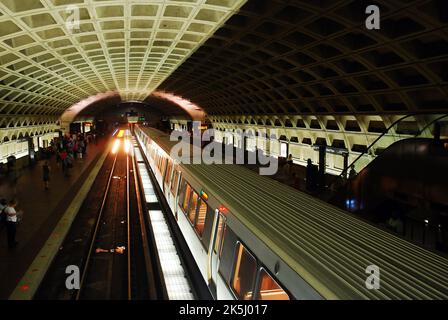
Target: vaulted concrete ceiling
{"x":317,"y":57}
{"x":129,"y":46}
{"x":270,"y":57}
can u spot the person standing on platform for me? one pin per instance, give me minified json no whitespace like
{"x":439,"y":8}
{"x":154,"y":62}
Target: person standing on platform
{"x":11,"y":223}
{"x":82,"y":148}
{"x":63,"y":156}
{"x":76,"y":147}
{"x":309,"y":175}
{"x":69,"y":164}
{"x":353,"y":173}
{"x":312,"y":173}
{"x":289,"y":160}
{"x":46,"y":174}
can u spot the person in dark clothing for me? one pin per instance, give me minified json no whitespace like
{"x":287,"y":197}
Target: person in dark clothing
{"x":352,"y":174}
{"x":63,"y":156}
{"x":11,"y":223}
{"x":309,"y":175}
{"x":46,"y":175}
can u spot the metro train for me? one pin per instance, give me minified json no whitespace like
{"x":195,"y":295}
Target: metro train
{"x":121,"y":140}
{"x":254,"y":238}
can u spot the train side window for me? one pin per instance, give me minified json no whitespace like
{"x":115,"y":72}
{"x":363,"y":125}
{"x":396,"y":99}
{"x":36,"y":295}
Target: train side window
{"x":193,"y":207}
{"x":269,"y":289}
{"x":201,"y":217}
{"x":187,"y":198}
{"x":219,"y":233}
{"x":159,"y":164}
{"x":182,"y":189}
{"x":168,"y":172}
{"x":174,"y":181}
{"x":243,"y":279}
{"x":227,"y":253}
{"x":163,"y":165}
{"x":206,"y":234}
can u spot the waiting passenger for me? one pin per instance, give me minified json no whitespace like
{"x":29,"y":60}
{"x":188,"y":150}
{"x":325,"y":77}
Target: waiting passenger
{"x":310,"y":176}
{"x":46,"y":174}
{"x":309,"y":173}
{"x":11,"y":223}
{"x":63,"y":155}
{"x":353,"y":173}
{"x":286,"y":170}
{"x":289,"y":160}
{"x":82,"y":148}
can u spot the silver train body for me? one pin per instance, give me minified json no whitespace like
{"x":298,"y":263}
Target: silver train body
{"x":254,"y":238}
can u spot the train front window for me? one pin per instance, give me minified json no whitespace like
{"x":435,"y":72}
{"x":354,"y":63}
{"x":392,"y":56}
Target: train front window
{"x":244,"y":275}
{"x":269,"y":288}
{"x":193,"y":205}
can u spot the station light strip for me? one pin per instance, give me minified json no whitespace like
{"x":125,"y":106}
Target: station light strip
{"x":174,"y":275}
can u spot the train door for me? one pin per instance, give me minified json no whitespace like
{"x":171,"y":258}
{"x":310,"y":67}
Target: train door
{"x":214,"y":251}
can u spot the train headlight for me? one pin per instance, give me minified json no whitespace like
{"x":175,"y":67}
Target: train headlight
{"x":116,"y":146}
{"x":127,"y":146}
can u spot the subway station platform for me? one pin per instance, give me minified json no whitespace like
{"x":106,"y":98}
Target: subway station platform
{"x":42,"y":210}
{"x":345,"y":102}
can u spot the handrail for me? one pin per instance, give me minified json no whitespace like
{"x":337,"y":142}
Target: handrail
{"x":431,"y":123}
{"x":375,"y":141}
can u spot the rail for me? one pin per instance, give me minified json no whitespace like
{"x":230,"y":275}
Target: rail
{"x":95,"y":232}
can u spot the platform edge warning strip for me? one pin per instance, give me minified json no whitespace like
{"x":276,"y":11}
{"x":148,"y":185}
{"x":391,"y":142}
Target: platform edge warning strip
{"x":35,"y":273}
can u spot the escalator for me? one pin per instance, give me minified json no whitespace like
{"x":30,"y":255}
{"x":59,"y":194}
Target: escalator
{"x":404,"y":187}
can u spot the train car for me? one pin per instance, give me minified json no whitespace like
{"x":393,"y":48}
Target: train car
{"x":122,"y":140}
{"x":254,"y":238}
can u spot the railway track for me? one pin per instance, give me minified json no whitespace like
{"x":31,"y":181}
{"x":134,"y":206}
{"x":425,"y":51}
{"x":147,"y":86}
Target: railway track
{"x":115,"y":257}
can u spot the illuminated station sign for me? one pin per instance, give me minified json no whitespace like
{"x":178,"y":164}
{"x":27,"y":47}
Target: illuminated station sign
{"x":132,"y":119}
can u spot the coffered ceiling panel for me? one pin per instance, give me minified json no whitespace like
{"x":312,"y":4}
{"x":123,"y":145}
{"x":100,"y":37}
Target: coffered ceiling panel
{"x":49,"y":63}
{"x":318,"y":57}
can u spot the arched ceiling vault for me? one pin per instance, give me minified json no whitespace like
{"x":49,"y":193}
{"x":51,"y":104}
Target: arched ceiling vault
{"x":128,"y":46}
{"x":272,"y":57}
{"x":318,"y":58}
{"x":151,"y":104}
